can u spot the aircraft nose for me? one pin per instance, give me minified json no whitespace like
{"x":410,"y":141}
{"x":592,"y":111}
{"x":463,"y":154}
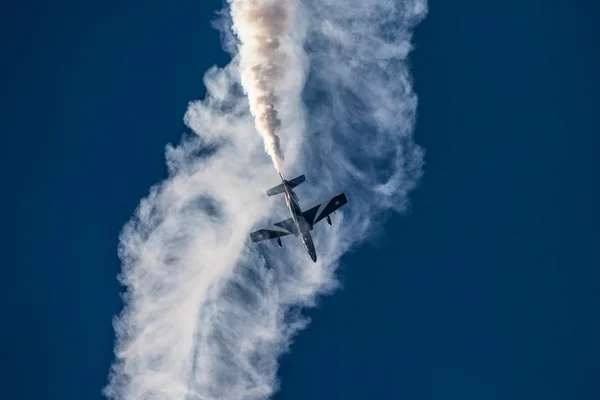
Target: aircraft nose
{"x":313,"y":255}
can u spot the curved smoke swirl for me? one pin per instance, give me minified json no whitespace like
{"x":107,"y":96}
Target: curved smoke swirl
{"x":207,"y":314}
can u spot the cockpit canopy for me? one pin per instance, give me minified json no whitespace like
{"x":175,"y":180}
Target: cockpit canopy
{"x":305,"y":240}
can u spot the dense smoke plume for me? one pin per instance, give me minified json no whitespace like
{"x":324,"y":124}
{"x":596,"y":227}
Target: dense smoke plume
{"x":208,"y":314}
{"x":262,"y":26}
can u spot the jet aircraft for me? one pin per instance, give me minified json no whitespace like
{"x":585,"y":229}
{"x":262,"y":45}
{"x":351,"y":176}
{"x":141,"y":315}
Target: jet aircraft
{"x":301,"y":223}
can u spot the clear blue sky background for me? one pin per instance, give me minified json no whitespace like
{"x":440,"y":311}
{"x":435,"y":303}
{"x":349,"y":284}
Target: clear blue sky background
{"x":488,"y":289}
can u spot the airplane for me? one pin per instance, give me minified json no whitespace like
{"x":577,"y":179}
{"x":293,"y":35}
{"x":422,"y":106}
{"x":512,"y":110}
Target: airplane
{"x":301,"y":223}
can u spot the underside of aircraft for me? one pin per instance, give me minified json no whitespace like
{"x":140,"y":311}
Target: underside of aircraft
{"x":301,"y":222}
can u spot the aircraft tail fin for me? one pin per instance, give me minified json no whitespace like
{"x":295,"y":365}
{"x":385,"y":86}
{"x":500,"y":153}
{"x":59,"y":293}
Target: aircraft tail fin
{"x":291,"y":184}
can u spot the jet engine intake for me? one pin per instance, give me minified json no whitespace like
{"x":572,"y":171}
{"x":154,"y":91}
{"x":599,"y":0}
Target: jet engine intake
{"x":328,"y":220}
{"x":278,"y":242}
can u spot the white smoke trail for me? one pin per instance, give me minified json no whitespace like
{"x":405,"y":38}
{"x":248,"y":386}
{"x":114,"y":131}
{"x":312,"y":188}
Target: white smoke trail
{"x":267,"y":58}
{"x":206,"y":313}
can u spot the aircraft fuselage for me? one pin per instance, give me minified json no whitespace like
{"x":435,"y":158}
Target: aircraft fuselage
{"x":303,"y":226}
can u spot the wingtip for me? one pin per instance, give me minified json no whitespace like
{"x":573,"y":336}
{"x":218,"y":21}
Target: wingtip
{"x":343,"y":198}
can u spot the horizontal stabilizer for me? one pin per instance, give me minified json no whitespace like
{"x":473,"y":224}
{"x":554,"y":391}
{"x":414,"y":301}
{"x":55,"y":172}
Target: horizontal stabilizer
{"x":291,"y":184}
{"x":275,"y":190}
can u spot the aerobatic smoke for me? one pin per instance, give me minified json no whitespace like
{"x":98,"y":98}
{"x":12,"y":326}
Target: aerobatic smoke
{"x":262,"y":27}
{"x":206,"y":314}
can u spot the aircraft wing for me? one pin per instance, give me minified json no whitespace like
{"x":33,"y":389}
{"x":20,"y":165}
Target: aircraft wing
{"x":279,"y":229}
{"x":319,"y":212}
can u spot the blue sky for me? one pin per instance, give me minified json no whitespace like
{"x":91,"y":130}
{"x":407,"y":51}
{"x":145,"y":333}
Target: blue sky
{"x":486,"y":288}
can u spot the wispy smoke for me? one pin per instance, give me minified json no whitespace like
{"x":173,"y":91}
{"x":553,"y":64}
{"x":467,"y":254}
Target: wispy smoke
{"x":262,"y":26}
{"x":207,"y":314}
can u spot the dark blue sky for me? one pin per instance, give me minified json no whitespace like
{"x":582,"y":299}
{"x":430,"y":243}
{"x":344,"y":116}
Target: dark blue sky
{"x":488,"y":288}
